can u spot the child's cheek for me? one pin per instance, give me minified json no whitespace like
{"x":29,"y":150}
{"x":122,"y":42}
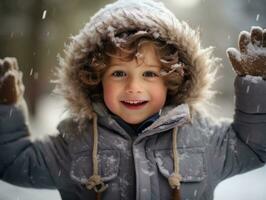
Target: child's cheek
{"x":159,"y":94}
{"x":110,"y":97}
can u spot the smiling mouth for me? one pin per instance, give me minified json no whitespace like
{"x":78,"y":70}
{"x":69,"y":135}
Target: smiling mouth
{"x":134,"y":104}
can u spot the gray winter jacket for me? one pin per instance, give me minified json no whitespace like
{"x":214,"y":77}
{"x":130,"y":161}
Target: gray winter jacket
{"x":138,"y":169}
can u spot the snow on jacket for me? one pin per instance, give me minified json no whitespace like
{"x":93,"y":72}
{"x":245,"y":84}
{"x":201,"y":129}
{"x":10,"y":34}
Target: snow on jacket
{"x":139,"y":168}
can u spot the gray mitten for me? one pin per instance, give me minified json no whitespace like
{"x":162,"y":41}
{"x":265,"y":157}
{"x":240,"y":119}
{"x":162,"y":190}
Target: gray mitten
{"x":250,"y":59}
{"x":11,"y":86}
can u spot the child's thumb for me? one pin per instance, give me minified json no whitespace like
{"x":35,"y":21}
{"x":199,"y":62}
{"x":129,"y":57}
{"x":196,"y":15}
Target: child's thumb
{"x":235,"y":59}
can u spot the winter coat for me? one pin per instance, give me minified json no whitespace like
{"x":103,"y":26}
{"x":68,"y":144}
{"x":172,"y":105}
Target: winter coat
{"x":137,"y":168}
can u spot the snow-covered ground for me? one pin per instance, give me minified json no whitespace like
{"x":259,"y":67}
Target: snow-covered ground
{"x":248,"y":186}
{"x":9,"y":192}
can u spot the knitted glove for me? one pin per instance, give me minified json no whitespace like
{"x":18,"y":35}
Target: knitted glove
{"x":11,"y":86}
{"x":251,"y":57}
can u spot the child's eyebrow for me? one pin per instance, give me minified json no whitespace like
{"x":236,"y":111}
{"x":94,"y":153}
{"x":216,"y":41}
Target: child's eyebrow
{"x":151,"y":65}
{"x":122,"y":65}
{"x":116,"y":65}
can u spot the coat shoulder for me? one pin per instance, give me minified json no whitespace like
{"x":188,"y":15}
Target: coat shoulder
{"x":203,"y":128}
{"x":71,"y":128}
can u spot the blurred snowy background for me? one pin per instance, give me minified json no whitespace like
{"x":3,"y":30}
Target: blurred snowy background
{"x":35,"y":31}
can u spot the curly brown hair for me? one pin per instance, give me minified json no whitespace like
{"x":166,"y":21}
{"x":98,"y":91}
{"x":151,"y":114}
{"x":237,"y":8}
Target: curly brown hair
{"x":173,"y":62}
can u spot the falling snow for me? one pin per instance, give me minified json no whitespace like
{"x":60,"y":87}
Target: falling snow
{"x":195,"y":192}
{"x":247,"y":90}
{"x":258,"y":108}
{"x":258,"y":16}
{"x":10,"y":113}
{"x":31,"y":71}
{"x":44,"y":14}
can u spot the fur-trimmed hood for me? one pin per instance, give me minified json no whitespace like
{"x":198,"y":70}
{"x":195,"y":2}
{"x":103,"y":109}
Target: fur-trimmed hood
{"x":143,"y":15}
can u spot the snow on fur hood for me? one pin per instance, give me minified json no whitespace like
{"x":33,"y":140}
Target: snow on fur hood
{"x":143,"y":15}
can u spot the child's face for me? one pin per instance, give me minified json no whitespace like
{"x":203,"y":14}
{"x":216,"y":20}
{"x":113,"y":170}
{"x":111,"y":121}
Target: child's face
{"x":135,"y":90}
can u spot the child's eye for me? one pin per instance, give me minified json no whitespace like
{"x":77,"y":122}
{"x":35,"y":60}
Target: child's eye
{"x":118,"y":74}
{"x":150,"y":74}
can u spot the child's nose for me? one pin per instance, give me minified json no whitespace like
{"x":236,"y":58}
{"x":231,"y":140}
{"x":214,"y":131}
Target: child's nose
{"x":134,"y":86}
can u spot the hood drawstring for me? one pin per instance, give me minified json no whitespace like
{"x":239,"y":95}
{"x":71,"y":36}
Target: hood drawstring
{"x":175,"y":178}
{"x":95,"y":181}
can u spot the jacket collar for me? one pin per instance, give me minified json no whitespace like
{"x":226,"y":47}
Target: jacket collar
{"x":134,"y":130}
{"x":170,"y":117}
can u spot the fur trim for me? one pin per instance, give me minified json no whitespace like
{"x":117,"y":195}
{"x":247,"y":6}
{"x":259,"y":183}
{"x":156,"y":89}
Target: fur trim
{"x":145,"y":15}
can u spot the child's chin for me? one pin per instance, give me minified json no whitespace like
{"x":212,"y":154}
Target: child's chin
{"x":132,"y":121}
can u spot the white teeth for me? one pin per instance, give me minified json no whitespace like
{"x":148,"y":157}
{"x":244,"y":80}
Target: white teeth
{"x":134,"y":102}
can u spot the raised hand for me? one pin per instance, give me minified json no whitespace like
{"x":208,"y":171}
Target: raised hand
{"x":11,"y":86}
{"x":250,"y":59}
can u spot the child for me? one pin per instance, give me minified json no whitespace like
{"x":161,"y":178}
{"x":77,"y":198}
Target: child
{"x":134,"y":78}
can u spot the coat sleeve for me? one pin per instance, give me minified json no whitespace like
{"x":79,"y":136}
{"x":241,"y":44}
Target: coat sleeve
{"x":239,"y":146}
{"x":28,"y":163}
